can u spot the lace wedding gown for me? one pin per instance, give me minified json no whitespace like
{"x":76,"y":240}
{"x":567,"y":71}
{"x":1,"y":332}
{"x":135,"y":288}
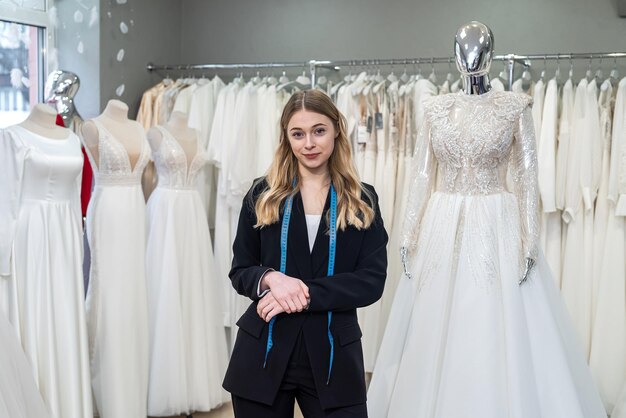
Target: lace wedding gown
{"x":117,"y":311}
{"x":464,"y":339}
{"x":188,"y":354}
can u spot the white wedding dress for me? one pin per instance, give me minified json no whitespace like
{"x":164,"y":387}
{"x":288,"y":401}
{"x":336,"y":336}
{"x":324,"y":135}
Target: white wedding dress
{"x":19,"y":397}
{"x":188,"y":352}
{"x":464,"y":339}
{"x":41,"y":243}
{"x":117,"y":311}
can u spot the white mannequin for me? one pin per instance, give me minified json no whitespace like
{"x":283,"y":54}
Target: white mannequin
{"x":42,"y":121}
{"x":177,"y":126}
{"x":115,"y":120}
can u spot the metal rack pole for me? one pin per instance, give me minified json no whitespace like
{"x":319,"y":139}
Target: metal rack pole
{"x":314,"y":65}
{"x":571,"y":55}
{"x":155,"y":67}
{"x":335,"y":64}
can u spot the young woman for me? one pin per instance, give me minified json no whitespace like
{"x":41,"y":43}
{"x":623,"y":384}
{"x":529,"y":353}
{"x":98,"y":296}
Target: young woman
{"x":310,"y":249}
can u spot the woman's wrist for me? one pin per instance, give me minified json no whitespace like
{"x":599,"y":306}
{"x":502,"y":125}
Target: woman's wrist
{"x":266,"y":280}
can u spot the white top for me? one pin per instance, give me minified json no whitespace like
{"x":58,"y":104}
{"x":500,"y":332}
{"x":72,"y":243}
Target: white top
{"x":312,"y":225}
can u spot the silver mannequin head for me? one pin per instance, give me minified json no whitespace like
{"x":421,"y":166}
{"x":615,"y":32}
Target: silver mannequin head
{"x":62,"y":83}
{"x":473,"y":51}
{"x":61,"y":87}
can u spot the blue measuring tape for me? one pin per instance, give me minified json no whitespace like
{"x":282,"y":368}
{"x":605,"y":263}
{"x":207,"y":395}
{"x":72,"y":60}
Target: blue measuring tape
{"x":331,"y":268}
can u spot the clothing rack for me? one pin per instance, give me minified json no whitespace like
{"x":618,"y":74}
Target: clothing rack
{"x":314,"y":65}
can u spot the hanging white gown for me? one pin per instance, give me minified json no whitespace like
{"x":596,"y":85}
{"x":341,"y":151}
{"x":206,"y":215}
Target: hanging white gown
{"x":591,"y":180}
{"x":381,"y":125}
{"x":566,"y":132}
{"x":369,"y":317}
{"x":356,"y":107}
{"x":607,"y":360}
{"x":387,"y":201}
{"x":117,"y":311}
{"x":546,"y":156}
{"x":201,"y":113}
{"x":242,"y":147}
{"x":371,"y":148}
{"x":577,"y":280}
{"x":223,"y":125}
{"x":539,"y":93}
{"x":202,"y":109}
{"x":19,"y":396}
{"x":241,"y":144}
{"x":601,"y":210}
{"x":188,"y":353}
{"x":41,"y":250}
{"x":183,"y":99}
{"x":564,"y":139}
{"x":268,"y":130}
{"x":406,"y":130}
{"x":411,"y":119}
{"x":423,"y":89}
{"x":464,"y":340}
{"x":348,"y":104}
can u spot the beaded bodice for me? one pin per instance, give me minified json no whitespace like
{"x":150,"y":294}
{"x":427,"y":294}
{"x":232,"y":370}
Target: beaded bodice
{"x":467,"y":146}
{"x":172,"y":166}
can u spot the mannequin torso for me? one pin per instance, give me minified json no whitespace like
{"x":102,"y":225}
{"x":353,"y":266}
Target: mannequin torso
{"x":115,"y":120}
{"x":42,"y":121}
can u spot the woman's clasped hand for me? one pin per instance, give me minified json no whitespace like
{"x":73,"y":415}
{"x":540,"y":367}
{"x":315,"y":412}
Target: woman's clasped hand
{"x":286,"y":295}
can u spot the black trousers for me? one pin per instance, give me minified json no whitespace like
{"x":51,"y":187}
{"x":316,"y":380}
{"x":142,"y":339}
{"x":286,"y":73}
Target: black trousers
{"x":297,"y":385}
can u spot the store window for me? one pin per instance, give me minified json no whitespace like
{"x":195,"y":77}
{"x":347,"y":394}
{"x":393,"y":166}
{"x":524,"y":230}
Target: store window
{"x":24,"y":40}
{"x":21,"y":70}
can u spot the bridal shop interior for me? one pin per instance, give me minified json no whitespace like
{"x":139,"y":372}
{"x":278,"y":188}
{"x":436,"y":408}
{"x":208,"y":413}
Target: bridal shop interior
{"x":116,"y":238}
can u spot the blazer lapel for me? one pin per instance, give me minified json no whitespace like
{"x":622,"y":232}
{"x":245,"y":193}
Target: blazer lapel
{"x":298,"y":242}
{"x":319,"y":255}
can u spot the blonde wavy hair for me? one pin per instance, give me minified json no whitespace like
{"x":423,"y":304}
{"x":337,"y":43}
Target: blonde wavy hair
{"x":351,"y":208}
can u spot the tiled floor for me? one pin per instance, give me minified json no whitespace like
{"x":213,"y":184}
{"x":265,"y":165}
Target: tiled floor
{"x":227,"y":412}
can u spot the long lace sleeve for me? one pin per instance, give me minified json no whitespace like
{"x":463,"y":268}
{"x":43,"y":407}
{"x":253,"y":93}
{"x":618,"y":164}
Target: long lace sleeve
{"x":524,"y":171}
{"x":12,"y":155}
{"x":422,"y":173}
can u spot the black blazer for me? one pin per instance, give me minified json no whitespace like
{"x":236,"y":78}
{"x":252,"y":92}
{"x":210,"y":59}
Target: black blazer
{"x":360,"y":272}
